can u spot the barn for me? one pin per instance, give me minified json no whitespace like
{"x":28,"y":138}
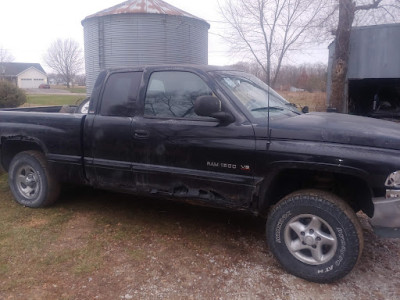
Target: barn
{"x":373,"y":77}
{"x":23,"y":75}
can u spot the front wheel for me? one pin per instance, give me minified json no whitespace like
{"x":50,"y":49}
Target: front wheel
{"x":315,"y":235}
{"x":30,"y":180}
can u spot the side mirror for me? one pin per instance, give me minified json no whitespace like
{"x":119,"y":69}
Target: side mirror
{"x":83,"y":107}
{"x":210,"y":106}
{"x":305,"y":110}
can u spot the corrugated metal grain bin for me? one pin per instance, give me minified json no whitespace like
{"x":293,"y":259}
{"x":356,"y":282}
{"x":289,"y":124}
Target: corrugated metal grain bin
{"x":140,"y":32}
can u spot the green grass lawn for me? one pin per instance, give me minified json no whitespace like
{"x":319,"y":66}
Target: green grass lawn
{"x":90,"y":234}
{"x":77,"y":90}
{"x":74,"y":89}
{"x":39,"y":100}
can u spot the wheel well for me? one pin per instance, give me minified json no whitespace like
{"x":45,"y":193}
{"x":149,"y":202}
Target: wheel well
{"x":10,"y":148}
{"x":351,"y":189}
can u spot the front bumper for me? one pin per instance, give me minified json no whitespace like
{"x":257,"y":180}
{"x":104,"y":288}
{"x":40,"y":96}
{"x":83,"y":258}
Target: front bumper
{"x":386,"y":219}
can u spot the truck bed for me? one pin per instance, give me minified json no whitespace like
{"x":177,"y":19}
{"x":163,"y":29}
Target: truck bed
{"x":48,"y":109}
{"x":59,"y":135}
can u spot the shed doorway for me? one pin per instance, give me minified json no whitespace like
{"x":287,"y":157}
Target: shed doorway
{"x":375,"y":97}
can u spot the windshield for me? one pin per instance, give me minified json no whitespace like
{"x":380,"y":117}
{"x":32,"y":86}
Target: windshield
{"x":253,"y":94}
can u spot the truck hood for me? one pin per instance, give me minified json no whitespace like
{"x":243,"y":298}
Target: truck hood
{"x":338,"y":128}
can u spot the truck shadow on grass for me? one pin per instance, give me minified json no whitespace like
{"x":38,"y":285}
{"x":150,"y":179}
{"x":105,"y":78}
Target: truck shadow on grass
{"x":103,"y":243}
{"x":137,"y":216}
{"x":164,"y":217}
{"x":176,"y":235}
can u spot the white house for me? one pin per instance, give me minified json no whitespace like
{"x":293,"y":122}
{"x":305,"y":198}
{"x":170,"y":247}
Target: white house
{"x":24,"y":75}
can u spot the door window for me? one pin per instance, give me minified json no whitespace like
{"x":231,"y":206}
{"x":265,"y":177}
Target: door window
{"x":172,"y":94}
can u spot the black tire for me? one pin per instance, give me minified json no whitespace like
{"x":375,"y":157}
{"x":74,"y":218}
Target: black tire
{"x":315,"y":235}
{"x":30,"y":180}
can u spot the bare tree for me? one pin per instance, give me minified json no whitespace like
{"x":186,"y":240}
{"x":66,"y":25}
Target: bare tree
{"x":5,"y":55}
{"x":80,"y":79}
{"x":360,"y":12}
{"x":269,"y":29}
{"x":310,"y":77}
{"x":250,"y":67}
{"x":65,"y":58}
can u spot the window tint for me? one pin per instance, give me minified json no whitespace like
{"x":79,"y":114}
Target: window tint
{"x":120,"y":94}
{"x":172,"y":94}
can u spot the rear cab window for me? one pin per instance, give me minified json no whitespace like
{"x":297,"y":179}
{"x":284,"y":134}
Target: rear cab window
{"x":120,"y":94}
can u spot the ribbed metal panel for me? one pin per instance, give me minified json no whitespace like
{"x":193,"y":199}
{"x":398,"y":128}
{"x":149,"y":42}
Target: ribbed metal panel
{"x":374,"y":52}
{"x":92,"y":64}
{"x":128,"y":40}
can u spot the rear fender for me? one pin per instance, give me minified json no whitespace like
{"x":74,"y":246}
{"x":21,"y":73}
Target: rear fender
{"x":13,"y":145}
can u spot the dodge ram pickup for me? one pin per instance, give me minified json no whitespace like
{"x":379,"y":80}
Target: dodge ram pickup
{"x":222,"y":138}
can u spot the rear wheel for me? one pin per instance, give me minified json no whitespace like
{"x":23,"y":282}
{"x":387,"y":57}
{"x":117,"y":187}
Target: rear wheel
{"x":315,"y":235}
{"x":30,"y":180}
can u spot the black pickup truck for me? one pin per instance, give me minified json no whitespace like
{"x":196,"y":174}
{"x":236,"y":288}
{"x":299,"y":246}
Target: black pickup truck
{"x":222,"y":138}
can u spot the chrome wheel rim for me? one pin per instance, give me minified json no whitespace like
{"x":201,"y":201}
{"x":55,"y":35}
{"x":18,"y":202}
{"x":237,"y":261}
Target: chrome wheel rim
{"x":310,"y":239}
{"x":28,"y":182}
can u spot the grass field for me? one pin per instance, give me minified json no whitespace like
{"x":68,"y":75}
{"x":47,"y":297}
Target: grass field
{"x":39,"y":100}
{"x":89,"y":236}
{"x":99,"y":245}
{"x":30,"y":244}
{"x":315,"y":101}
{"x":75,"y":89}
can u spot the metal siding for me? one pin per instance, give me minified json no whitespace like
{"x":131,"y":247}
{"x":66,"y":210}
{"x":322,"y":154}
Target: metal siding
{"x":91,"y":43}
{"x":129,"y":40}
{"x":374,"y":52}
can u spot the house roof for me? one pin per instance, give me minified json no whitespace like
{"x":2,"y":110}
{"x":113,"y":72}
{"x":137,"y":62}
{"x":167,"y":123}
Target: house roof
{"x":13,"y":68}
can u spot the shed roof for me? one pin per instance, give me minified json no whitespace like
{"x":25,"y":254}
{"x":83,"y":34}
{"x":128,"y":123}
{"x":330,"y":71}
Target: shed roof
{"x":15,"y":68}
{"x":144,"y":7}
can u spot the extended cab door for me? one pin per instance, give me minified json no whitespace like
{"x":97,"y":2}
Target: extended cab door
{"x":109,"y":162}
{"x":182,"y":154}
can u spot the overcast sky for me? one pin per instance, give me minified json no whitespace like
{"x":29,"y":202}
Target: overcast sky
{"x":27,"y":28}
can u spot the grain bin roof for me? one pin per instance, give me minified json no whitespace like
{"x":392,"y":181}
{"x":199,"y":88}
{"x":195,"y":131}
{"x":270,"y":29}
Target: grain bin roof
{"x":143,"y":7}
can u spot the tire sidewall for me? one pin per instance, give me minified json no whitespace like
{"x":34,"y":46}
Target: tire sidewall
{"x":348,"y":244}
{"x":26,"y":159}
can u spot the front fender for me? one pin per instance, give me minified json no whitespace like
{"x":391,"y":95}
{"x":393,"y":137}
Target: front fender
{"x":285,"y":177}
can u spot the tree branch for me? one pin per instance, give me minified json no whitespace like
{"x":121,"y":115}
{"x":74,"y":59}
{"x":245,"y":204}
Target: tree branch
{"x":373,"y":5}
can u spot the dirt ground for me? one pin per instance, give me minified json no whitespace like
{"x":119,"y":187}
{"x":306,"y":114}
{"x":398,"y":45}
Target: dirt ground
{"x":112,"y":246}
